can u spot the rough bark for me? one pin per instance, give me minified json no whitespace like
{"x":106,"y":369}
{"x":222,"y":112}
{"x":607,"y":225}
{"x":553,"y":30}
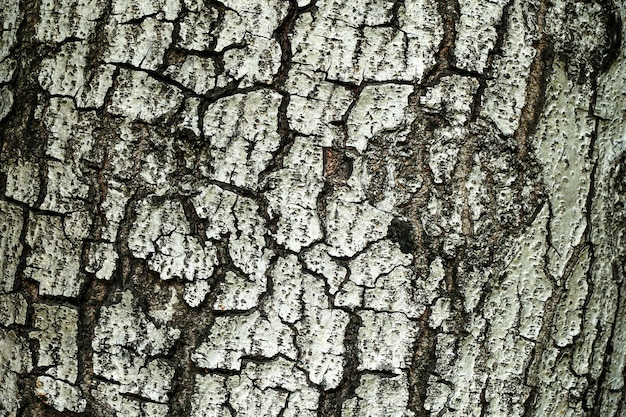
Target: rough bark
{"x":324,"y":208}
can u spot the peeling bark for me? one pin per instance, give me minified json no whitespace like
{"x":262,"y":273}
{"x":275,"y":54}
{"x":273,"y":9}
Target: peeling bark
{"x":312,"y":208}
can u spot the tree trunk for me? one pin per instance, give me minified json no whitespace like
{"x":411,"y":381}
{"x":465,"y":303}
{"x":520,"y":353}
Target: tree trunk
{"x":324,"y":208}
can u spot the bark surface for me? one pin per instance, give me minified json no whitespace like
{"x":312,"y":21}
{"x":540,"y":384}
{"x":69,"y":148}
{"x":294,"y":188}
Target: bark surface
{"x":312,"y":208}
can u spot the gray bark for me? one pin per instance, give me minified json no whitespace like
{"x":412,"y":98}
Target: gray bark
{"x":312,"y":208}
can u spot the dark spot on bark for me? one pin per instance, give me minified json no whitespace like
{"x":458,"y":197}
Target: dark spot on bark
{"x":401,"y":232}
{"x":590,"y":38}
{"x":337,"y":165}
{"x":613,"y":32}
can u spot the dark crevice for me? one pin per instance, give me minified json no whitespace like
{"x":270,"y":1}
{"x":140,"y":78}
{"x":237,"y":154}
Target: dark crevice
{"x":540,"y":71}
{"x":422,"y":365}
{"x":449,"y":10}
{"x":496,"y":50}
{"x":331,"y":401}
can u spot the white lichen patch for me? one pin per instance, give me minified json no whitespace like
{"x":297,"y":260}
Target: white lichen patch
{"x":257,"y":62}
{"x":7,"y":64}
{"x":258,"y":17}
{"x":216,"y":206}
{"x":135,"y":374}
{"x":476,"y":33}
{"x":195,"y":33}
{"x":390,"y":54}
{"x":15,"y":361}
{"x":161,"y":235}
{"x":557,"y":382}
{"x":434,"y":220}
{"x":436,"y":274}
{"x":56,"y":329}
{"x":123,"y":156}
{"x":314,"y":102}
{"x":12,"y":309}
{"x":513,"y":313}
{"x":124,"y":11}
{"x":60,"y":395}
{"x":140,"y":45}
{"x":247,"y":247}
{"x":533,"y":287}
{"x":163,"y":313}
{"x":378,"y":51}
{"x":292,"y":195}
{"x":605,"y":300}
{"x":113,"y":208}
{"x":397,"y":291}
{"x":102,"y":260}
{"x":562,"y":144}
{"x":63,"y":19}
{"x":286,"y":298}
{"x":11,"y":223}
{"x":437,"y":395}
{"x":64,"y":73}
{"x":439,"y":389}
{"x":385,"y":341}
{"x":136,"y":97}
{"x":380,"y":258}
{"x":352,"y":225}
{"x":321,"y":332}
{"x":125,"y":342}
{"x":194,"y":72}
{"x":302,"y":403}
{"x":15,"y":353}
{"x":124,"y":325}
{"x":195,"y":292}
{"x":379,"y":396}
{"x":314,"y":38}
{"x":108,"y":394}
{"x":71,"y":133}
{"x":379,"y":109}
{"x":243,"y":130}
{"x":453,"y":97}
{"x":12,"y":18}
{"x":615,"y":375}
{"x":210,"y":396}
{"x":272,"y":388}
{"x":237,"y":293}
{"x":359,"y":12}
{"x":92,"y":95}
{"x":182,"y":256}
{"x":505,"y":94}
{"x":56,"y":275}
{"x":318,"y":260}
{"x":422,"y":23}
{"x":349,"y":295}
{"x":76,"y":225}
{"x":467,"y":382}
{"x":569,"y":311}
{"x":23,"y":180}
{"x":249,"y":400}
{"x":237,"y":217}
{"x":477,"y":196}
{"x":66,"y":188}
{"x":443,"y":155}
{"x":6,"y":101}
{"x":232,"y":337}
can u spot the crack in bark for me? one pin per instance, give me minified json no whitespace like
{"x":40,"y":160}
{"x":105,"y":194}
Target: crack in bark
{"x":331,"y":401}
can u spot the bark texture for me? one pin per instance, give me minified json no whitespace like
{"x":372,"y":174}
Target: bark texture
{"x":312,"y":208}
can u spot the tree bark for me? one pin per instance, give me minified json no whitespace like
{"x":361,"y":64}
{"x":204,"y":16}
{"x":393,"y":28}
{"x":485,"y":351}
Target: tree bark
{"x":312,"y":208}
